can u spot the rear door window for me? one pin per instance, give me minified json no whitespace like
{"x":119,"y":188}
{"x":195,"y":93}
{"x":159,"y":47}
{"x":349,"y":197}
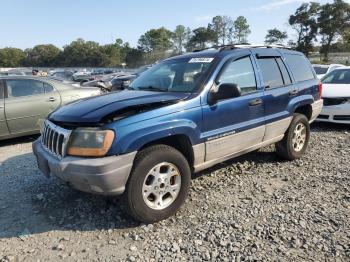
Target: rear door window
{"x":24,"y":87}
{"x":300,"y":67}
{"x":271,"y":72}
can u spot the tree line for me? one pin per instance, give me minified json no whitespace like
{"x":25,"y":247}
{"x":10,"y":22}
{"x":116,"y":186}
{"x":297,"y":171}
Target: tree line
{"x":328,"y":25}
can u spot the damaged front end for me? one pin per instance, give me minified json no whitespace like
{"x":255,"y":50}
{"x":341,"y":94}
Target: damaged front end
{"x":134,"y":110}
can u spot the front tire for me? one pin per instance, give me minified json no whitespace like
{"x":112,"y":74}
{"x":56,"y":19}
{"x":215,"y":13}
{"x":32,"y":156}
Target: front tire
{"x":296,"y":139}
{"x":158,"y":185}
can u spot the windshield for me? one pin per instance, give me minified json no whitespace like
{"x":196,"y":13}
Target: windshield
{"x":337,"y":77}
{"x":142,"y":69}
{"x":321,"y":70}
{"x":173,"y":76}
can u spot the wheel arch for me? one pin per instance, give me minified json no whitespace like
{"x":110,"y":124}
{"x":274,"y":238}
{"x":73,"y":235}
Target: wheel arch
{"x":305,"y":110}
{"x":303,"y":105}
{"x":180,"y":142}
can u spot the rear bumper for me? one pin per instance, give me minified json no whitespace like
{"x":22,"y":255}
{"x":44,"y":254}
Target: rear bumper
{"x":335,"y":114}
{"x":106,"y":176}
{"x":316,"y":109}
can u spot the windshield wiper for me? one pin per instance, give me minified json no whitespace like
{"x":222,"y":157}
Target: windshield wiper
{"x":152,"y":88}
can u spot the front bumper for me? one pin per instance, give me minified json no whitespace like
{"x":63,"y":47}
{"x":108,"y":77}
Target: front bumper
{"x":106,"y":176}
{"x":335,"y":114}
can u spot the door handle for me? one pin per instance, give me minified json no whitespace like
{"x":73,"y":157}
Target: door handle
{"x":255,"y":102}
{"x":52,"y":99}
{"x":293,"y":92}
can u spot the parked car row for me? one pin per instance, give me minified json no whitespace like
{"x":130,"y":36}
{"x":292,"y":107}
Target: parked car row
{"x":105,"y":82}
{"x":116,"y":81}
{"x":25,"y":101}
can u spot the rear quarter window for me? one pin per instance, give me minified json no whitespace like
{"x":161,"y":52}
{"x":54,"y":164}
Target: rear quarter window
{"x":300,"y":66}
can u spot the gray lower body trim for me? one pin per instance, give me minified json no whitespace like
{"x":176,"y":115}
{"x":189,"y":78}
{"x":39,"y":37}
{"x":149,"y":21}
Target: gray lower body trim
{"x":199,"y":154}
{"x":277,"y":128}
{"x":219,"y":150}
{"x":106,"y":175}
{"x":213,"y":162}
{"x":316,"y":109}
{"x":233,"y":143}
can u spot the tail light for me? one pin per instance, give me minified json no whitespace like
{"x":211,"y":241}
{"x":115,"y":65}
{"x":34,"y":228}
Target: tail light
{"x":320,"y":89}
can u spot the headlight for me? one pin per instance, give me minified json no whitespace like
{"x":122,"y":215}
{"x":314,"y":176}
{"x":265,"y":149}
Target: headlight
{"x":126,"y":83}
{"x":92,"y":142}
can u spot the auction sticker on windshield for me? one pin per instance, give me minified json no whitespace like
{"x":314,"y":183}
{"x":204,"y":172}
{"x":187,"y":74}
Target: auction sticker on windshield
{"x":201,"y":60}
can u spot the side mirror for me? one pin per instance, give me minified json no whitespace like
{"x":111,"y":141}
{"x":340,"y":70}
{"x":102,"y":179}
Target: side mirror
{"x":223,"y":92}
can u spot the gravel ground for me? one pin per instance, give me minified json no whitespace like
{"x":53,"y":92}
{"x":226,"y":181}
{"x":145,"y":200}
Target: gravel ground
{"x":256,"y":207}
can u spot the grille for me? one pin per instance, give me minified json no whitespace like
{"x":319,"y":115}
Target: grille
{"x":323,"y":117}
{"x":334,"y":101}
{"x":342,"y":118}
{"x":55,"y":139}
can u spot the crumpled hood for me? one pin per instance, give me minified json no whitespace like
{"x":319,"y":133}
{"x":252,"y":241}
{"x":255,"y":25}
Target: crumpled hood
{"x":336,"y":90}
{"x":94,"y":109}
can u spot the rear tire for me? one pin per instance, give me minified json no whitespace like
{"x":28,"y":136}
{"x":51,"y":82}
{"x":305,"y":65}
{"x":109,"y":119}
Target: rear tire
{"x":296,"y":139}
{"x":158,"y":185}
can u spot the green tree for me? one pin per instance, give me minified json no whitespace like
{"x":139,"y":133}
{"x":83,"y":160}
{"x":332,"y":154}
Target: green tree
{"x":43,"y":55}
{"x":200,"y":38}
{"x":83,"y":53}
{"x":133,"y":56}
{"x":346,"y":35}
{"x":333,"y":20}
{"x":189,"y":35}
{"x":156,"y":40}
{"x":179,"y":39}
{"x":11,"y":57}
{"x":222,"y":28}
{"x":304,"y":22}
{"x":113,"y":54}
{"x":241,"y":30}
{"x":275,"y":36}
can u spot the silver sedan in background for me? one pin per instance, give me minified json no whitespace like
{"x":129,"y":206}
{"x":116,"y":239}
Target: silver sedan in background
{"x":25,"y":101}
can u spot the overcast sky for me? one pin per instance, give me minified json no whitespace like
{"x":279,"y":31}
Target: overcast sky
{"x":25,"y":23}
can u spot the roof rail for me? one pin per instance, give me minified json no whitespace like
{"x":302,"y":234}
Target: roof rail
{"x":203,"y":49}
{"x":241,"y":46}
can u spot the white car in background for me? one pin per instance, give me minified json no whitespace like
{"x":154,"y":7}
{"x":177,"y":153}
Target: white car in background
{"x":322,"y":70}
{"x":336,"y":96}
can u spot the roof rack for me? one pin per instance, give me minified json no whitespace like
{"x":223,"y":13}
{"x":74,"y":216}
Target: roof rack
{"x":241,"y":46}
{"x":203,"y":49}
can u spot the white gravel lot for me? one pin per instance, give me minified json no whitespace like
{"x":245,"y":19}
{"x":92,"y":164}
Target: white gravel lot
{"x":255,"y":208}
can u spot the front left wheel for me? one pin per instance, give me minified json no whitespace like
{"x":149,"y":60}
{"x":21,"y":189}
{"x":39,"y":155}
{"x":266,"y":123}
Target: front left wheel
{"x":158,"y":184}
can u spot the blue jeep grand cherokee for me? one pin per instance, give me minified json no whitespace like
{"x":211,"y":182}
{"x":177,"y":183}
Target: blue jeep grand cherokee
{"x":183,"y":115}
